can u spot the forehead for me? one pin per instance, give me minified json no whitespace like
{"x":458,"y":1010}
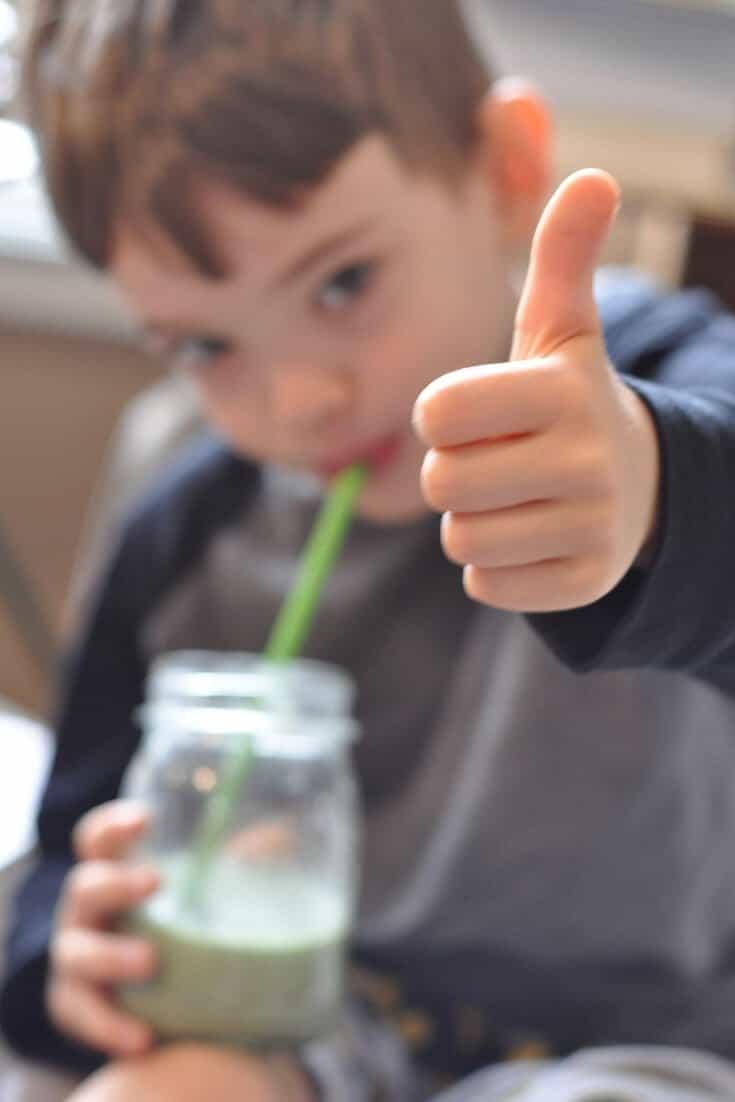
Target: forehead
{"x":254,"y":242}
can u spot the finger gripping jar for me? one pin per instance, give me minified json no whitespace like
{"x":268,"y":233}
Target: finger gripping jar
{"x":250,"y":942}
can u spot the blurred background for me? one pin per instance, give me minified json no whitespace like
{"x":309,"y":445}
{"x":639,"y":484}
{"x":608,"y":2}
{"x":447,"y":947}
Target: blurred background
{"x":643,"y":88}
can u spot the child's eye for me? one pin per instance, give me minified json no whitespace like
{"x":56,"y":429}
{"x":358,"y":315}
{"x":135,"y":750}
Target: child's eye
{"x":348,"y":284}
{"x":199,"y":352}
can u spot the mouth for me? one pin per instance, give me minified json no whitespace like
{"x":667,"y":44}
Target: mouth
{"x":377,"y":457}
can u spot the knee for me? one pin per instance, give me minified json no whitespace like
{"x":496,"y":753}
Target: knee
{"x":178,"y":1073}
{"x":138,"y":1079}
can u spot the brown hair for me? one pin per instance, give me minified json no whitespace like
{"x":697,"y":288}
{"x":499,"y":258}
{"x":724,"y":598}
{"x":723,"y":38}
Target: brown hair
{"x":138,"y":101}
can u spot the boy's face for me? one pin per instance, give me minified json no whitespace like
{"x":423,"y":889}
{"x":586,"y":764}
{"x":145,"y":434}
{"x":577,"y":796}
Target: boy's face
{"x":333,"y":317}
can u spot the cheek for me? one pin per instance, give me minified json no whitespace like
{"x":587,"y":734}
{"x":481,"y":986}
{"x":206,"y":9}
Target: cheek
{"x":463,"y":318}
{"x":433,"y":334}
{"x":225,"y":385}
{"x":233,"y":412}
{"x":397,"y":497}
{"x":222,"y":379}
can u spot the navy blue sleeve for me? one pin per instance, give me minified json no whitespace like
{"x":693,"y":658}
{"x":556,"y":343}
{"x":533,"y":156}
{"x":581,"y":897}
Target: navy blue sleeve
{"x":102,"y":684}
{"x":678,"y":353}
{"x":96,"y":736}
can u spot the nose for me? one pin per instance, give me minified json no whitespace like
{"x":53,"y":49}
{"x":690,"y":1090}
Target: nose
{"x":305,"y":396}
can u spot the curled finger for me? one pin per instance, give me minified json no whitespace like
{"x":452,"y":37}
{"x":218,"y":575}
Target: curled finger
{"x":87,"y":1014}
{"x":107,"y":833}
{"x":98,"y":891}
{"x":102,"y":958}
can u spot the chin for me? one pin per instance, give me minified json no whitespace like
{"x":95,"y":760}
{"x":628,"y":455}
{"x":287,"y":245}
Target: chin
{"x":393,"y":497}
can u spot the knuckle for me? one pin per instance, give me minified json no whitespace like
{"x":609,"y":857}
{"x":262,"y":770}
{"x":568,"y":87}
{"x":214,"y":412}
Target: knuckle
{"x":101,"y":961}
{"x":458,"y":540}
{"x":587,"y":578}
{"x":558,"y":376}
{"x":85,"y":879}
{"x":100,"y":828}
{"x":67,"y":952}
{"x":430,"y":413}
{"x":478,"y":585}
{"x":97,"y":881}
{"x":437,"y":481}
{"x":76,"y":884}
{"x":85,"y":833}
{"x":79,"y":843}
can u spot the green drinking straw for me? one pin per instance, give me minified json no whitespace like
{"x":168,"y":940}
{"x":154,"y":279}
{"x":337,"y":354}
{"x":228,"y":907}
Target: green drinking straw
{"x":320,"y":554}
{"x":286,"y":640}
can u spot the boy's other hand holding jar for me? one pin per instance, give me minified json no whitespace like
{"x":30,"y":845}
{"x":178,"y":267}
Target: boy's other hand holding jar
{"x":89,"y":959}
{"x":87,"y":956}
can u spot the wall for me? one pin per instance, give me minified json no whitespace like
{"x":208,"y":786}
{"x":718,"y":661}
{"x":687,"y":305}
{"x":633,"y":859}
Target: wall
{"x":61,"y":395}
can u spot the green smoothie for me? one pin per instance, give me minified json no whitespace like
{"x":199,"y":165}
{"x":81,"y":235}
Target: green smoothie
{"x":260,"y":964}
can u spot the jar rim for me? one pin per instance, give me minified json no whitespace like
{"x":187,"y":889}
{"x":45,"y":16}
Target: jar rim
{"x":285,"y":732}
{"x":199,"y":674}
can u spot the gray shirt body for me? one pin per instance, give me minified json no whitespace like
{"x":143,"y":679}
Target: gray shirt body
{"x":554,"y":847}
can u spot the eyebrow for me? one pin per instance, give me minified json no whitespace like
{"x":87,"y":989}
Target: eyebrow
{"x":320,"y":252}
{"x":164,"y":327}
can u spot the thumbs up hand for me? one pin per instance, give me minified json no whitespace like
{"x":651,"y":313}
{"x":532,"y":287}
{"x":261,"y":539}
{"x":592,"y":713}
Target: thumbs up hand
{"x":546,"y":468}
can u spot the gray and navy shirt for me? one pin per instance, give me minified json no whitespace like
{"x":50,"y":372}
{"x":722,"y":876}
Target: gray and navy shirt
{"x":549,"y":800}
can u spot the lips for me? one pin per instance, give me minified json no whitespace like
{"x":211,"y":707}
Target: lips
{"x":376,"y":457}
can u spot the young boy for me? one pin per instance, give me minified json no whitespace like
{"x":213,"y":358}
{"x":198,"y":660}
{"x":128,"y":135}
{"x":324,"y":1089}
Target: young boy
{"x":318,"y":207}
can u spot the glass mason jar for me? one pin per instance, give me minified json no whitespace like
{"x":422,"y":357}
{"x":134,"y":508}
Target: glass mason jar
{"x":258,"y":890}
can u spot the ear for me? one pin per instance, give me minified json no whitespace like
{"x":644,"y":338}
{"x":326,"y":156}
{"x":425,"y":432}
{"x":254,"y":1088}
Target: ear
{"x":517,"y":137}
